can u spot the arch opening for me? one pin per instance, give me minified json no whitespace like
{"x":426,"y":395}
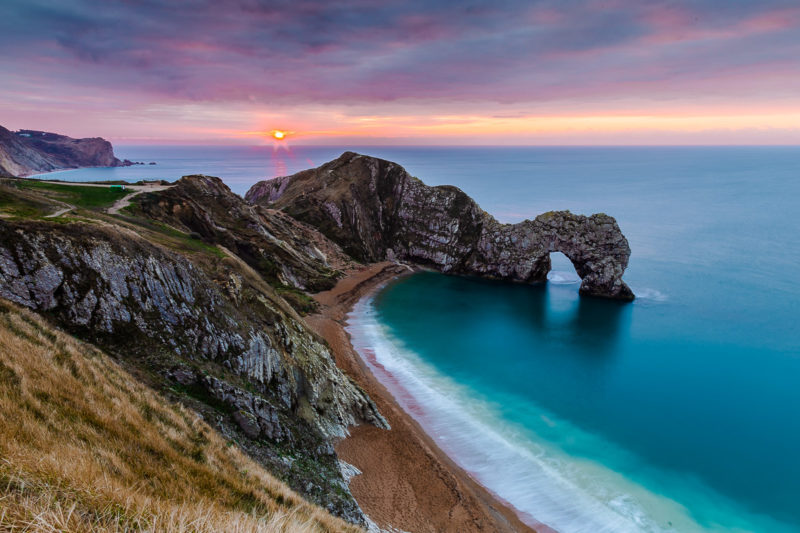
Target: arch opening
{"x":562,"y":271}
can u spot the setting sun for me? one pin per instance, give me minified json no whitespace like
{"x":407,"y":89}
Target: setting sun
{"x":278,"y":135}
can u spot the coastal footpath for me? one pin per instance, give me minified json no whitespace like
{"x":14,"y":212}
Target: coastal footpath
{"x":233,"y":308}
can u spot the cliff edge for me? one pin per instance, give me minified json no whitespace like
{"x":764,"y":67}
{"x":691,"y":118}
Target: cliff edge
{"x":167,"y":288}
{"x":376,"y":211}
{"x":29,"y":152}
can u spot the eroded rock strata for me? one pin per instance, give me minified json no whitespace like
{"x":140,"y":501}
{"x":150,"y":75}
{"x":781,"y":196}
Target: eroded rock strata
{"x":200,"y":292}
{"x":212,"y":331}
{"x":376,"y":211}
{"x":276,"y":245}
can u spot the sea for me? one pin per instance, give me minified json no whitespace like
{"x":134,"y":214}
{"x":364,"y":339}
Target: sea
{"x":677,"y":412}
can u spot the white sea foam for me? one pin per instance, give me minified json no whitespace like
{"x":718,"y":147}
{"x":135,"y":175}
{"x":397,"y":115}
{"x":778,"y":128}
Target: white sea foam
{"x":563,"y":277}
{"x":569,"y":494}
{"x":650,"y":294}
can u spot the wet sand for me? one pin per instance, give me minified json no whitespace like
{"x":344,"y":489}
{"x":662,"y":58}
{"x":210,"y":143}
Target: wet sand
{"x":407,"y":482}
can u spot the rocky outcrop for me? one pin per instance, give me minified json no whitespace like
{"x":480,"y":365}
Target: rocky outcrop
{"x":376,"y":211}
{"x":217,"y":332}
{"x":283,"y":250}
{"x":29,"y":152}
{"x":215,"y":324}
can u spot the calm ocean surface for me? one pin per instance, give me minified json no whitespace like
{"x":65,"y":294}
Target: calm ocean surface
{"x":679,"y":412}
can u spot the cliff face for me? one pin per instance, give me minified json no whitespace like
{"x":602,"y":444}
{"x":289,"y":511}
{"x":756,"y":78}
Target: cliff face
{"x":215,"y":333}
{"x":280,"y":248}
{"x":79,"y":432}
{"x":375,"y":210}
{"x":28,"y":152}
{"x":215,"y":324}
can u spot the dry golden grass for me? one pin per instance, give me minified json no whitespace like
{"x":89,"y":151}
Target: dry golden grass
{"x":85,"y":447}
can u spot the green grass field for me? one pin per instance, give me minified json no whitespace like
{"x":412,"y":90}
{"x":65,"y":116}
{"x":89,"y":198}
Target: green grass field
{"x":80,"y":196}
{"x":17,"y":203}
{"x":184,"y":241}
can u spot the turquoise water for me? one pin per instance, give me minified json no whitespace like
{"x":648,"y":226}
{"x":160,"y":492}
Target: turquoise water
{"x":678,"y":412}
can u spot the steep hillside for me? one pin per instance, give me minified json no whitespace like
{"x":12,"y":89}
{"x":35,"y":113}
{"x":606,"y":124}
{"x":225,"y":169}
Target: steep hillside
{"x":200,"y":295}
{"x":375,"y":210}
{"x":279,"y":247}
{"x":28,"y":152}
{"x":84,"y":446}
{"x":198,"y":323}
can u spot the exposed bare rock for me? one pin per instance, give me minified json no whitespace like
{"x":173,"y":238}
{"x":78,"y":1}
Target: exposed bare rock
{"x":29,"y":152}
{"x":376,"y":211}
{"x":277,"y":246}
{"x":224,"y":335}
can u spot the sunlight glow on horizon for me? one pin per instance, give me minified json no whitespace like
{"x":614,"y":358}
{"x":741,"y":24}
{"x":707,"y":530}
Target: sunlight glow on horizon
{"x":472,"y":129}
{"x":410,"y":72}
{"x":451,"y":129}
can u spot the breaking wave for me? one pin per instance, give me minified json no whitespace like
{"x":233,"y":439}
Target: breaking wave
{"x":569,"y":494}
{"x":650,"y":294}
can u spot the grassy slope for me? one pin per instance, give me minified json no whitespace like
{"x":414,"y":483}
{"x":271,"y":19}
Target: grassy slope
{"x":85,"y":447}
{"x":172,"y":238}
{"x":86,"y":197}
{"x":19,"y":206}
{"x":32,"y":199}
{"x":26,"y":200}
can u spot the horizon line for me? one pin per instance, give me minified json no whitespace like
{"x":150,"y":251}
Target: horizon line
{"x":427,"y":145}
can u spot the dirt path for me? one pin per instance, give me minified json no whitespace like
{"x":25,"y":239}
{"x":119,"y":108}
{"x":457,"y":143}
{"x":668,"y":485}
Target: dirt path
{"x":125,"y":201}
{"x":122,"y":203}
{"x":60,"y":212}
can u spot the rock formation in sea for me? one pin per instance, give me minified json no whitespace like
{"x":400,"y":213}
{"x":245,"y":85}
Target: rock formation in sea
{"x":29,"y":152}
{"x":201,"y":293}
{"x":375,"y":211}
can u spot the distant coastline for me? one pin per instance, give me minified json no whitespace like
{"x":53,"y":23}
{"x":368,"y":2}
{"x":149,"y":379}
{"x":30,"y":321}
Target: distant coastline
{"x":30,"y":152}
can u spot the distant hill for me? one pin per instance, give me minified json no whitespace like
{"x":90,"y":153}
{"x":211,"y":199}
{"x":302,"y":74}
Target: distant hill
{"x":27,"y":152}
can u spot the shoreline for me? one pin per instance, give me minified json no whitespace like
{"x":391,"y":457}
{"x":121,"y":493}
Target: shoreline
{"x":407,"y":481}
{"x":29,"y":175}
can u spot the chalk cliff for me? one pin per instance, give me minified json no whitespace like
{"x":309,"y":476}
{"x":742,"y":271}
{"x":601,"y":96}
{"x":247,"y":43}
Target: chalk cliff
{"x":201,"y":292}
{"x":375,"y":211}
{"x":28,"y":152}
{"x":276,"y":245}
{"x":206,"y":328}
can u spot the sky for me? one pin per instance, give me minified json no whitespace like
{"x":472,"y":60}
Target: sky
{"x":532,"y":72}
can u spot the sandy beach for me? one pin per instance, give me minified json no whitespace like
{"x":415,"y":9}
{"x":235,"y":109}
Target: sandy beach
{"x":407,"y":482}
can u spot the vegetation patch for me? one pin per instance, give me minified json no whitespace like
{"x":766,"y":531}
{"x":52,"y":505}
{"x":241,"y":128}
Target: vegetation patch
{"x":198,"y":392}
{"x":170,"y":237}
{"x":17,"y":206}
{"x":89,"y":448}
{"x":78,"y":195}
{"x":300,"y":301}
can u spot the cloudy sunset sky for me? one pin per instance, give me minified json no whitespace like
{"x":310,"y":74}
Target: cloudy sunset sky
{"x":404,"y":72}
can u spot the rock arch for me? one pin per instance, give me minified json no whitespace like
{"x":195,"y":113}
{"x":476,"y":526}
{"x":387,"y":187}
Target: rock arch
{"x":521,"y":252}
{"x":376,"y":211}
